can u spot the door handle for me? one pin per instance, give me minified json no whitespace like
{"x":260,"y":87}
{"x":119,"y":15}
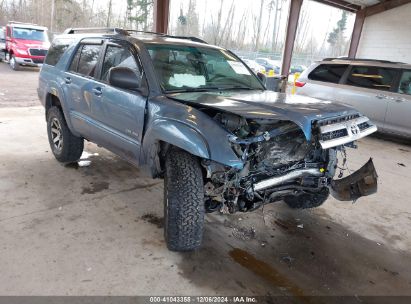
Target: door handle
{"x":399,"y":99}
{"x":67,"y":80}
{"x":381,"y":96}
{"x":97,"y":91}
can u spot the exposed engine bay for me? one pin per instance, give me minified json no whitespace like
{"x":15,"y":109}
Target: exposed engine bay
{"x":279,"y":164}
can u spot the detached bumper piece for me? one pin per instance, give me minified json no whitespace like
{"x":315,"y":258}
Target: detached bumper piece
{"x":362,"y":182}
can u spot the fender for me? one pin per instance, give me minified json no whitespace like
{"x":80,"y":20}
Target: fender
{"x":53,"y":88}
{"x":175,"y":133}
{"x":186,"y":137}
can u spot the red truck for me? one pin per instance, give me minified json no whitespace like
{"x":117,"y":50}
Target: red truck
{"x":26,"y":44}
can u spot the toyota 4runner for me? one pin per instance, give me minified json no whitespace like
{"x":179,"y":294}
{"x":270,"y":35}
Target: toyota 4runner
{"x":195,"y":115}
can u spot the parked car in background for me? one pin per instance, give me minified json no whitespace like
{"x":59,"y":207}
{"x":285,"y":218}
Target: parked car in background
{"x":297,"y":69}
{"x":379,"y":89}
{"x":26,"y":44}
{"x":269,"y":64}
{"x":196,"y":116}
{"x":257,"y":68}
{"x":2,"y":43}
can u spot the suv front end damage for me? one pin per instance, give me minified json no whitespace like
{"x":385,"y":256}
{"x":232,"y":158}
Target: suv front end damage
{"x":280,"y":164}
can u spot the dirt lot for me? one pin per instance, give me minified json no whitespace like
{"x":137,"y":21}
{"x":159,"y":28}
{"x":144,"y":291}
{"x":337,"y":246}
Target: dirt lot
{"x":96,"y":228}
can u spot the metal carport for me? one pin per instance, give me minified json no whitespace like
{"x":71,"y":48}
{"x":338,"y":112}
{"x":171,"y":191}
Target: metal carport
{"x":362,"y":9}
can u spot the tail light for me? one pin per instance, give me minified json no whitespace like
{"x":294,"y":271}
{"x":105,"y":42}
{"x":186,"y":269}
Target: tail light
{"x":299,"y":84}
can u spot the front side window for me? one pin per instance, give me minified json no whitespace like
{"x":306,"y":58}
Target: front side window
{"x":405,"y":83}
{"x":328,"y":72}
{"x":117,"y":56}
{"x":371,"y":77}
{"x":30,"y":34}
{"x":191,"y":68}
{"x":85,"y":60}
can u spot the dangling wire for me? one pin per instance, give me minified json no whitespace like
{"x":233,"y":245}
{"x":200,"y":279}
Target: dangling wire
{"x":344,"y":163}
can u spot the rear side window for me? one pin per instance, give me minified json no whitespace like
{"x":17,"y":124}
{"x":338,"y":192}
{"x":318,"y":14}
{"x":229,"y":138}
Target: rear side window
{"x":57,"y":49}
{"x":371,"y":77}
{"x":85,"y":60}
{"x":405,"y":83}
{"x":328,"y":72}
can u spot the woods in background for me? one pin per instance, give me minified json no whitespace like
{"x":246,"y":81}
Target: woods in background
{"x":256,"y":26}
{"x":58,"y":15}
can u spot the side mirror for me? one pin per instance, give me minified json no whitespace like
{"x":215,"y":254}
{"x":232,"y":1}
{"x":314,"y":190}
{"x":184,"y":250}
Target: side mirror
{"x":124,"y":78}
{"x":262,"y":77}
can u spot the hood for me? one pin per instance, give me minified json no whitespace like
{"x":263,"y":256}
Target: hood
{"x":31,"y":44}
{"x":301,"y":110}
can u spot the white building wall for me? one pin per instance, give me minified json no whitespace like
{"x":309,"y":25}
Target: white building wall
{"x":387,"y":35}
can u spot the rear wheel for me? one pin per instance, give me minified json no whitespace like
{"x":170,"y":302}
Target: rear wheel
{"x":307,"y":200}
{"x":183,"y":201}
{"x":13,"y":63}
{"x":66,"y":147}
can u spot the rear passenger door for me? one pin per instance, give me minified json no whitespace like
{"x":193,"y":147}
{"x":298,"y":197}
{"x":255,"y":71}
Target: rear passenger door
{"x":79,"y":80}
{"x":118,"y":114}
{"x":366,"y":88}
{"x":323,"y":81}
{"x":398,"y":118}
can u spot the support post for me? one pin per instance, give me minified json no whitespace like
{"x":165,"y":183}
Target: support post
{"x":292,"y":24}
{"x":161,"y":13}
{"x":356,"y":33}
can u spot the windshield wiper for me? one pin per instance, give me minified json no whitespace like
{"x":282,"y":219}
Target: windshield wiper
{"x":187,"y":90}
{"x":205,"y":89}
{"x":239,"y":88}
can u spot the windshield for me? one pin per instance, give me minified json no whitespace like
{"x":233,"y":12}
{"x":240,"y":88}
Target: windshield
{"x":189,"y":68}
{"x":29,"y":34}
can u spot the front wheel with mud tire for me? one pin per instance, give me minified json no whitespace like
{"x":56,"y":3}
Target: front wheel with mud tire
{"x":66,"y":147}
{"x":307,"y":200}
{"x":183,"y":201}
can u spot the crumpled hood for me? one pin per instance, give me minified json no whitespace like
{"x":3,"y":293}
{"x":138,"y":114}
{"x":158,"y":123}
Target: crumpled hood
{"x":299,"y":109}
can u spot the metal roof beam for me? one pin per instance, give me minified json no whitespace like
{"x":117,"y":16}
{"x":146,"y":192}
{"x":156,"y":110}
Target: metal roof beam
{"x":292,"y":24}
{"x":341,"y":4}
{"x":161,"y":15}
{"x":384,"y":6}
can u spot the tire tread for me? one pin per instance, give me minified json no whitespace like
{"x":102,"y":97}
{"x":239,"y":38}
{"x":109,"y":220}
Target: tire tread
{"x":185,"y":210}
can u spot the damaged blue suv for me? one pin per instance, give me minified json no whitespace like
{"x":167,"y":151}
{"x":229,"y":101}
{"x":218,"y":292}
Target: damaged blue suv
{"x":198,"y":117}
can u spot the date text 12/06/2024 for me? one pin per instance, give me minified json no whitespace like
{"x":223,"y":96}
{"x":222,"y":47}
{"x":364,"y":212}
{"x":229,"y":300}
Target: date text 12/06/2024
{"x":203,"y":299}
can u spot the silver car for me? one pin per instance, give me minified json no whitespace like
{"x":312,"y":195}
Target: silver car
{"x":379,"y":89}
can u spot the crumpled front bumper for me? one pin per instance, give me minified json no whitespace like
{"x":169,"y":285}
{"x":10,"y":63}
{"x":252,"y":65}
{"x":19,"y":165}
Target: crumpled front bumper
{"x":362,"y":182}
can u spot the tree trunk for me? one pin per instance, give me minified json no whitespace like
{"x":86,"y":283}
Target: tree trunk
{"x":109,"y":13}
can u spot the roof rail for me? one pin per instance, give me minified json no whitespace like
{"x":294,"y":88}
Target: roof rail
{"x":106,"y":30}
{"x":360,"y":59}
{"x":195,"y":39}
{"x":18,"y":22}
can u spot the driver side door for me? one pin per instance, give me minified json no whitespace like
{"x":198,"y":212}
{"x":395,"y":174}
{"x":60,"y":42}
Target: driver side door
{"x":119,"y":113}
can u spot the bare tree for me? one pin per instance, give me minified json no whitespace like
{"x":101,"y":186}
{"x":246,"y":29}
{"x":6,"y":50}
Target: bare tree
{"x":110,"y":4}
{"x":257,"y":25}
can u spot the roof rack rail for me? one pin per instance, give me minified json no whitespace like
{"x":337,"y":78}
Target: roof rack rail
{"x":18,"y":22}
{"x":361,"y":59}
{"x":195,"y":39}
{"x":107,"y":30}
